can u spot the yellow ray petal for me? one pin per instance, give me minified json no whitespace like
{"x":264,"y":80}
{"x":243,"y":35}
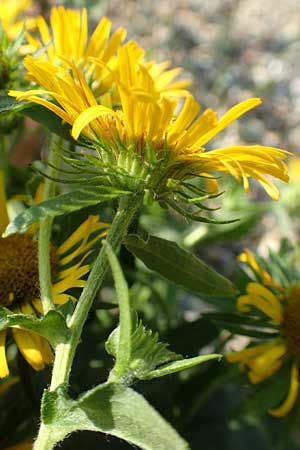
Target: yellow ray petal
{"x":61,"y":299}
{"x":245,"y":302}
{"x":88,"y":116}
{"x":270,"y":369}
{"x":264,"y":365}
{"x":248,"y":257}
{"x":230,"y":116}
{"x":89,"y":226}
{"x":64,"y":285}
{"x":35,"y":349}
{"x":289,"y":402}
{"x":4,"y":220}
{"x":261,"y":291}
{"x":4,"y":371}
{"x":248,"y":353}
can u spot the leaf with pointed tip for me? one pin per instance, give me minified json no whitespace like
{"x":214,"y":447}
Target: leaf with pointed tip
{"x":53,"y":326}
{"x":178,"y":366}
{"x":38,"y":113}
{"x":150,"y":358}
{"x":112,"y":409}
{"x":62,"y":204}
{"x":49,"y":120}
{"x":9,"y":104}
{"x":179,"y":266}
{"x":147,"y":352}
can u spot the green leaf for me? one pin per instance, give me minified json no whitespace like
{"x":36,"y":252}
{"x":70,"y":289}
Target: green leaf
{"x":64,"y":203}
{"x":112,"y":409}
{"x":9,"y":104}
{"x":180,"y":266}
{"x":38,"y":113}
{"x":244,"y":325}
{"x":49,"y":120}
{"x":53,"y":326}
{"x":146,"y":353}
{"x":178,"y":366}
{"x":150,"y":358}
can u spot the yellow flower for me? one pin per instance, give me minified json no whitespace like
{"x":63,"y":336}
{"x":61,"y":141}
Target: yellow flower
{"x":68,"y":37}
{"x":12,"y":14}
{"x":19,"y":279}
{"x":67,"y":40}
{"x":146,"y":124}
{"x":281,"y":307}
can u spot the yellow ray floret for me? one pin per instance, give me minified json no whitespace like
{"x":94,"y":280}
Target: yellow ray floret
{"x":147,"y":117}
{"x":291,"y":398}
{"x":248,"y":258}
{"x":68,"y":37}
{"x":12,"y":13}
{"x":4,"y":220}
{"x":263,"y":299}
{"x":144,"y":118}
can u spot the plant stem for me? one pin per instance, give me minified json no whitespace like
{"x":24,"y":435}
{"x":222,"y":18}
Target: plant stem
{"x":45,"y":227}
{"x":46,"y":439}
{"x":65,"y":352}
{"x":125,"y":325}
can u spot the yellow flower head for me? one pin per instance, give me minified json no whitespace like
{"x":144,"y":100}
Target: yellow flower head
{"x":281,"y":308}
{"x":12,"y":15}
{"x":67,"y":40}
{"x":19,"y":278}
{"x":146,"y":122}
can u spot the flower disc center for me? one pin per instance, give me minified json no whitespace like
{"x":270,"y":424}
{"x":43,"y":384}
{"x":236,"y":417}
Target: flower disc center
{"x":19,"y":272}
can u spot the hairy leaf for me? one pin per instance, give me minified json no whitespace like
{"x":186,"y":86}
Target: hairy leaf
{"x":53,"y":326}
{"x":9,"y":104}
{"x":179,"y":266}
{"x":150,"y":358}
{"x":112,"y":409}
{"x":123,"y":353}
{"x":64,"y":203}
{"x":183,"y":364}
{"x":147,"y":352}
{"x":38,"y":113}
{"x":49,"y":120}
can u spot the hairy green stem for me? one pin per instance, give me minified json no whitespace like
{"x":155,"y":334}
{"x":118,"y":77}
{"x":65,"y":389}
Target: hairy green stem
{"x":46,"y":439}
{"x":65,"y":352}
{"x":45,"y":227}
{"x":125,"y":325}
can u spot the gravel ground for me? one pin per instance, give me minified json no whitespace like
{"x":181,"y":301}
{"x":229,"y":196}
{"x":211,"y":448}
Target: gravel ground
{"x":233,"y":49}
